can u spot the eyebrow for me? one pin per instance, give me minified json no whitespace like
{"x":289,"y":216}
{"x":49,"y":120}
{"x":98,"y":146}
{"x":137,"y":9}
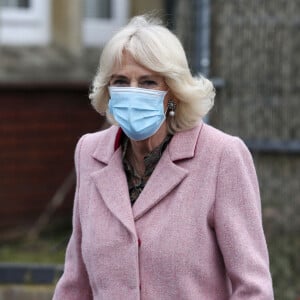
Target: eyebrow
{"x":143,"y":77}
{"x":155,"y":77}
{"x":114,"y":76}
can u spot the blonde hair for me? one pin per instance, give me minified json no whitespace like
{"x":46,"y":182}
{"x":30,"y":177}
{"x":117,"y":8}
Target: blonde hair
{"x":159,"y":50}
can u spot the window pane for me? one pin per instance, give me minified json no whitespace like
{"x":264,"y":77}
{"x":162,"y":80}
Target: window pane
{"x":15,"y":3}
{"x":24,"y":3}
{"x":100,"y":9}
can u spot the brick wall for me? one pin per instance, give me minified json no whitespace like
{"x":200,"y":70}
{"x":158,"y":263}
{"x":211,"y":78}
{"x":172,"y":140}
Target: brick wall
{"x":39,"y":128}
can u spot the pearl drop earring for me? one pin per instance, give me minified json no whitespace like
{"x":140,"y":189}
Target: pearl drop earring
{"x":171,"y":108}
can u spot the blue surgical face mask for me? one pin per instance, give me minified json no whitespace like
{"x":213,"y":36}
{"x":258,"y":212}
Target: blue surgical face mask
{"x":139,"y":112}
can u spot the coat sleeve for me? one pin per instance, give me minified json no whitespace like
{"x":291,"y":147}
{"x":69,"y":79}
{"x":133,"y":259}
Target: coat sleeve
{"x":74,"y":283}
{"x":238,"y":225}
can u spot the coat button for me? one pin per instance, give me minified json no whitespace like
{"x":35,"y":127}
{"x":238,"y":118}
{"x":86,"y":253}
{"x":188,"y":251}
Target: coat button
{"x":139,"y":242}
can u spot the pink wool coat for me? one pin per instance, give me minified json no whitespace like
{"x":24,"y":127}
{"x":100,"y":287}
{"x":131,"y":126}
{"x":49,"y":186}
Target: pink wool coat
{"x":195,"y":232}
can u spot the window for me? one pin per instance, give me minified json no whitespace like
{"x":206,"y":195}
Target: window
{"x":24,"y":22}
{"x":15,"y":3}
{"x":95,"y":9}
{"x":101,"y":19}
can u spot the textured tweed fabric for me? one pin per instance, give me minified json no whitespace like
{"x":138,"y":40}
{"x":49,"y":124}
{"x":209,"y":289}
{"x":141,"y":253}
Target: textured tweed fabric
{"x":195,"y":231}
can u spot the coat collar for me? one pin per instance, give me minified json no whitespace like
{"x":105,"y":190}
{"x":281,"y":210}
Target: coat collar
{"x":182,"y":145}
{"x":112,"y":184}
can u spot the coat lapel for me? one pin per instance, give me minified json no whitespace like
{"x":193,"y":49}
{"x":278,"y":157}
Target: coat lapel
{"x":112,"y":184}
{"x":165,"y":177}
{"x":167,"y":174}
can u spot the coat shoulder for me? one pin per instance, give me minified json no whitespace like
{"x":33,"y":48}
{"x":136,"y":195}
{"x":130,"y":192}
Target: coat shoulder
{"x":216,"y":135}
{"x":89,"y":142}
{"x":220,"y":142}
{"x":99,"y":144}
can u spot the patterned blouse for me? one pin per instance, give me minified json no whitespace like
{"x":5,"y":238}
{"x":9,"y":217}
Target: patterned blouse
{"x":136,"y":183}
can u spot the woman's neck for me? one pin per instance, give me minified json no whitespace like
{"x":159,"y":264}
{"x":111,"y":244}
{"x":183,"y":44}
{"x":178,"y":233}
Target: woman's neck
{"x":139,"y":149}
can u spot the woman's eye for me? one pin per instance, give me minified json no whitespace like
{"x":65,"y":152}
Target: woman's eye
{"x":119,"y":82}
{"x":149,"y":83}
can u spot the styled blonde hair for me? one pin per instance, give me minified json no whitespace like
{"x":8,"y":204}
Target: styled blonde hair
{"x":159,"y":50}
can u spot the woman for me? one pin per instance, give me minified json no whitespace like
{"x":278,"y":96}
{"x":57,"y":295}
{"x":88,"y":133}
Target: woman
{"x":166,"y":207}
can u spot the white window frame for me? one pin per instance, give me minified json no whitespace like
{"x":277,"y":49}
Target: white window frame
{"x":96,"y":31}
{"x":26,"y":26}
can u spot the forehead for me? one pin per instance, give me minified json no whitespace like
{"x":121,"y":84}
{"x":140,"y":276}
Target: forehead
{"x":129,"y":64}
{"x":127,"y":59}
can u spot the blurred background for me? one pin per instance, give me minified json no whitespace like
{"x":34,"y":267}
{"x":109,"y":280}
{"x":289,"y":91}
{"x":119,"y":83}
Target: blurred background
{"x":49,"y":51}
